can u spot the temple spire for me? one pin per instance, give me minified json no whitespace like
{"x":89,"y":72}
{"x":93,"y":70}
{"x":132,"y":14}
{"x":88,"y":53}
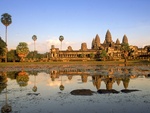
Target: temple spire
{"x":125,"y":39}
{"x":117,"y":41}
{"x":108,"y":37}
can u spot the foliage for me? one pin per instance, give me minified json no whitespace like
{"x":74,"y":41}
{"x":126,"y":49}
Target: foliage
{"x":34,"y":37}
{"x":22,"y":49}
{"x":125,"y":47}
{"x":6,"y":19}
{"x":2,"y":47}
{"x":22,"y":78}
{"x":125,"y":50}
{"x":61,"y":38}
{"x":103,"y":54}
{"x":12,"y":55}
{"x":35,"y":54}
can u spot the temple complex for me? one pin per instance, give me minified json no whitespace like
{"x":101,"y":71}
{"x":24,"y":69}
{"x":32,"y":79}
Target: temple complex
{"x":112,"y":49}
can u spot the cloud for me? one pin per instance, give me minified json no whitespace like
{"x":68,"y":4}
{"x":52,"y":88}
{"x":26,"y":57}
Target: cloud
{"x":45,"y":46}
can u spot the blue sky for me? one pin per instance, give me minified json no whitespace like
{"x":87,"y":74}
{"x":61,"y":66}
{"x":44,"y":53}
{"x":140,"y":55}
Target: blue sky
{"x":77,"y":20}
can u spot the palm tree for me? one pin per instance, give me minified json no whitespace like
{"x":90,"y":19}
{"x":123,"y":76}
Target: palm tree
{"x":22,"y":50}
{"x":34,"y":37}
{"x":6,"y":20}
{"x":61,"y":38}
{"x":125,"y":50}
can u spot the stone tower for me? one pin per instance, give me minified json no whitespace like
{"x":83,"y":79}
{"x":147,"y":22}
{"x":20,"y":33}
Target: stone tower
{"x":83,"y":47}
{"x":96,"y":42}
{"x":117,"y":41}
{"x":108,"y":37}
{"x":125,"y":39}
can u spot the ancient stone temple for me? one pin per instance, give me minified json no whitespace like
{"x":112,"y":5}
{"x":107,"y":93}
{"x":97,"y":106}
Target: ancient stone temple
{"x":111,"y":48}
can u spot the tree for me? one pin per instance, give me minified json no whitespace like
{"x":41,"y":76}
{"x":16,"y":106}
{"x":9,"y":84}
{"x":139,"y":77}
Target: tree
{"x":2,"y":49}
{"x":103,"y":55}
{"x":22,"y":50}
{"x":12,"y":56}
{"x":6,"y":20}
{"x":125,"y":51}
{"x":61,"y":38}
{"x":34,"y":37}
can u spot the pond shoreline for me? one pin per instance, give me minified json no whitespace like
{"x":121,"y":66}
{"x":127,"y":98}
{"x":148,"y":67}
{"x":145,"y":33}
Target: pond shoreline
{"x":14,"y":66}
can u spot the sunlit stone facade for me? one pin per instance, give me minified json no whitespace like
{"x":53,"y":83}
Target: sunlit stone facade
{"x":113,"y":50}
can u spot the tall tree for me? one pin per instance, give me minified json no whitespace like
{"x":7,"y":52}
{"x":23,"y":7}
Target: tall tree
{"x":61,"y":38}
{"x":125,"y":51}
{"x":6,"y":21}
{"x":22,"y":50}
{"x":103,"y":55}
{"x":34,"y":38}
{"x":2,"y":49}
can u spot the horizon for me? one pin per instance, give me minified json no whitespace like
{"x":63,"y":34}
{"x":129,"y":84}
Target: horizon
{"x":78,"y":21}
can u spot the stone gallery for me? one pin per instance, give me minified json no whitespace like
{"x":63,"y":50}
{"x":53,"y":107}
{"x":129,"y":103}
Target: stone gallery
{"x":108,"y":50}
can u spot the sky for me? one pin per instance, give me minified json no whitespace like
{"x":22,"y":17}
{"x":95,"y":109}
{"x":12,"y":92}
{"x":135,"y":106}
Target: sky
{"x":77,"y":20}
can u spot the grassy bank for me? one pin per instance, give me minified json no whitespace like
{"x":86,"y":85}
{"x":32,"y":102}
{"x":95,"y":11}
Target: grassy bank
{"x":13,"y":64}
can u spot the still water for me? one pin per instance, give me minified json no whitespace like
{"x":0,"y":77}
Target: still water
{"x":38,"y":90}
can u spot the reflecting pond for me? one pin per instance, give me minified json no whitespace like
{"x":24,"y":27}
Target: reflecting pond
{"x":76,"y":89}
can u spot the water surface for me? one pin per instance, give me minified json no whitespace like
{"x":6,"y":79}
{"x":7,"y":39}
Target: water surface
{"x":48,"y":90}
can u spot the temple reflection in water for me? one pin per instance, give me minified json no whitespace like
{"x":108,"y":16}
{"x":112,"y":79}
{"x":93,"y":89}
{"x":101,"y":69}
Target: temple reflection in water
{"x":22,"y":90}
{"x":108,"y":76}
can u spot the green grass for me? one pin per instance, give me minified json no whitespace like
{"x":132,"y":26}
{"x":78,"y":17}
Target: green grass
{"x":3,"y":64}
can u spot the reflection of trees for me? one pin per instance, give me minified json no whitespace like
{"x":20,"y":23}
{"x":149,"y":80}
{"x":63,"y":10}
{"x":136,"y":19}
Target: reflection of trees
{"x":69,"y":77}
{"x":3,"y":84}
{"x":34,"y":89}
{"x":6,"y":108}
{"x":12,"y":74}
{"x":61,"y":87}
{"x":3,"y":81}
{"x":22,"y":78}
{"x":35,"y":73}
{"x":54,"y":74}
